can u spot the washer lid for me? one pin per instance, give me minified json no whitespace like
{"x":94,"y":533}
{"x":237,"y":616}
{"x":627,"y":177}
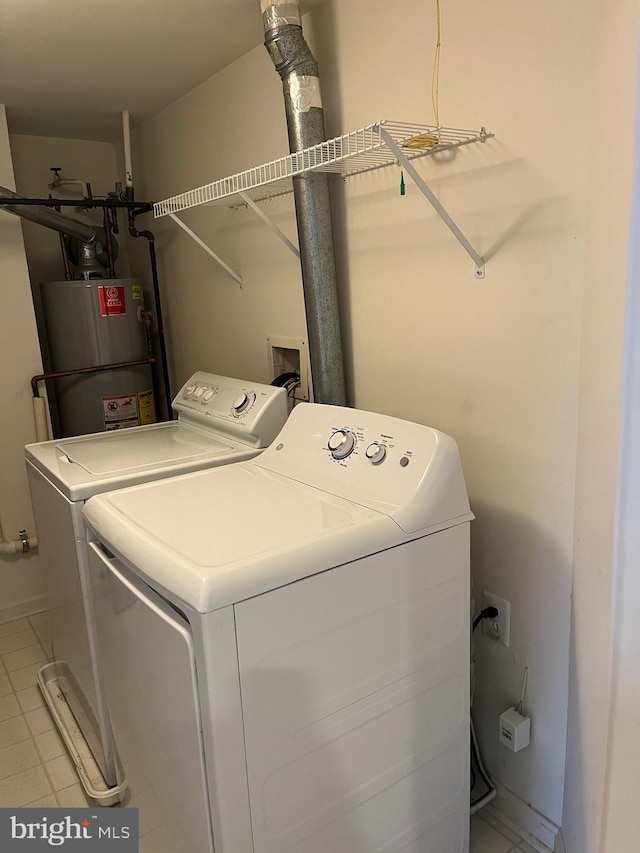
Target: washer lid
{"x":219,"y":536}
{"x":82,"y":467}
{"x":136,"y":449}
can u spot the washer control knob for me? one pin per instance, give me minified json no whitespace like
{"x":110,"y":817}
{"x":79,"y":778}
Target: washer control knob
{"x":242,"y":402}
{"x":376,"y":453}
{"x":199,"y":391}
{"x":209,"y":394}
{"x":341,"y":443}
{"x":189,"y":390}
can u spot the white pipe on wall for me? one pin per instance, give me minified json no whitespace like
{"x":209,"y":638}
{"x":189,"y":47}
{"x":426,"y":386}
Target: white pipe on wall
{"x":40,"y":419}
{"x":17,"y":546}
{"x":126,"y":134}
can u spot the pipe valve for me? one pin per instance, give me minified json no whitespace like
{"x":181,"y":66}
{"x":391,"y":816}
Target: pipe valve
{"x":24,"y":538}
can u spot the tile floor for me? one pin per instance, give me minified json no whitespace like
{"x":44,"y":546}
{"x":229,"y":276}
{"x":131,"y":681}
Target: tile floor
{"x":489,"y":835}
{"x":35,"y":769}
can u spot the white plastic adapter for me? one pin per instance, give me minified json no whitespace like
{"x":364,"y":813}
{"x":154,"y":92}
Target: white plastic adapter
{"x":515,"y":730}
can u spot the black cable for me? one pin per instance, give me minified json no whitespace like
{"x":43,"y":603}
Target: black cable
{"x":487,"y":613}
{"x":284,"y":378}
{"x":476,"y":765}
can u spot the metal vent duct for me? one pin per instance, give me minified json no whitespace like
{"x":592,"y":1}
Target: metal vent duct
{"x":298,"y":70}
{"x":49,"y":218}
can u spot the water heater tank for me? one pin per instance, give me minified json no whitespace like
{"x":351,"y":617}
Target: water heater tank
{"x":91,"y":323}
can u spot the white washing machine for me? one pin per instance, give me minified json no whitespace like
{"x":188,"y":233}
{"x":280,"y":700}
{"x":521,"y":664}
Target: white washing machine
{"x":220,"y":420}
{"x":286,"y":643}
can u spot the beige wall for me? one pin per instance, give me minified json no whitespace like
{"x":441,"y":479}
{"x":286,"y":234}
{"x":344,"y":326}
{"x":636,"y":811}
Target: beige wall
{"x":522,"y":368}
{"x":213,"y":323}
{"x":21,"y":583}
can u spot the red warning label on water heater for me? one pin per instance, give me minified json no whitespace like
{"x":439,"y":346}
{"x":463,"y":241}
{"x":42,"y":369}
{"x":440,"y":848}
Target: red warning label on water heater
{"x":112,"y":300}
{"x":120,"y":412}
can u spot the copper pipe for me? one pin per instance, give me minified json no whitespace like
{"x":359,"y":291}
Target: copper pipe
{"x":81,"y":370}
{"x":65,"y":259}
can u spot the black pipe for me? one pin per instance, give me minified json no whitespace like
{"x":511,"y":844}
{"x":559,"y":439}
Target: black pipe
{"x":138,"y":206}
{"x":106,"y":224}
{"x":149,"y":236}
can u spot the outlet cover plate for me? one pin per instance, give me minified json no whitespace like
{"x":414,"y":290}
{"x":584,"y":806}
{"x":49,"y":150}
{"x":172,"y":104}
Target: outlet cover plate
{"x":489,"y":599}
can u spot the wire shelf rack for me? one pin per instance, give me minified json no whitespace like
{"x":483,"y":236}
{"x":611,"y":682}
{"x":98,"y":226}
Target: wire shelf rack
{"x":370,"y":147}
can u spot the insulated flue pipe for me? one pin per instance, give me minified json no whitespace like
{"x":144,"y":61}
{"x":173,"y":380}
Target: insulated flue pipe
{"x":298,"y":70}
{"x":49,"y":218}
{"x":40,"y":419}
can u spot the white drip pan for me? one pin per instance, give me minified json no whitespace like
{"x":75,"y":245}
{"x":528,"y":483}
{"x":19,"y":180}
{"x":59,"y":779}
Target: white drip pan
{"x":53,"y":680}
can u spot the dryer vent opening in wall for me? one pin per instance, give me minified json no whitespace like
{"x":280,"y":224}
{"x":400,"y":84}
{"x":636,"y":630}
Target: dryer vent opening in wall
{"x":290,"y":355}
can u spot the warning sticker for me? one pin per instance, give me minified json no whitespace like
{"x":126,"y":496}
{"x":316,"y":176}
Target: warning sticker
{"x":112,"y":300}
{"x":120,"y":412}
{"x":147,"y":407}
{"x":136,"y":291}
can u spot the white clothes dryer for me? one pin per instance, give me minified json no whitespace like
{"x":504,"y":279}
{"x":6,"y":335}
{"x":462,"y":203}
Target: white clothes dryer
{"x":285,"y":643}
{"x":220,"y":420}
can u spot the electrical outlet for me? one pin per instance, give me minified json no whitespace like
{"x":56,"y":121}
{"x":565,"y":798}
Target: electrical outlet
{"x":498,"y":628}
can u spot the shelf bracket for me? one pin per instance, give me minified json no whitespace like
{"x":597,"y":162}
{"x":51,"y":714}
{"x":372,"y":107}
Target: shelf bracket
{"x":408,"y":167}
{"x":204,"y":246}
{"x":270,"y":224}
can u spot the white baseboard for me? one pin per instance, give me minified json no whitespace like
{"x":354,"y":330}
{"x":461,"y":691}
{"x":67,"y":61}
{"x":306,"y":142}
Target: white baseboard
{"x":560,"y":846}
{"x":25,"y":607}
{"x":536,"y":829}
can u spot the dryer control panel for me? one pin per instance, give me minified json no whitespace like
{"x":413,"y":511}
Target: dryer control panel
{"x":409,"y":471}
{"x":250,"y":411}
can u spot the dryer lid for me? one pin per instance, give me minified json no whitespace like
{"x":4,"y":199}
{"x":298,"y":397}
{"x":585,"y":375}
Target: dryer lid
{"x":220,"y":536}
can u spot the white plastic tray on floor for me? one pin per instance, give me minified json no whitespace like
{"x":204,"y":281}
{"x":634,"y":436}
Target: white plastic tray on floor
{"x":53,"y":680}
